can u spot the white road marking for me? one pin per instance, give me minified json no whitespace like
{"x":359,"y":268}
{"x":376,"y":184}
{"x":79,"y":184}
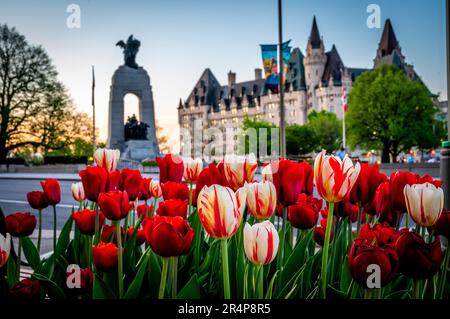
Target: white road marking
{"x":10,"y":201}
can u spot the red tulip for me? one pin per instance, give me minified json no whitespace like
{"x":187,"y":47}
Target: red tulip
{"x":105,"y":256}
{"x":142,"y":210}
{"x":305,"y":213}
{"x":86,"y":280}
{"x":380,"y":234}
{"x":85,"y":221}
{"x":366,"y":185}
{"x":172,"y":190}
{"x":345,"y":209}
{"x":261,"y":199}
{"x":319,"y":232}
{"x":363,"y":254}
{"x":428,"y":179}
{"x":114,"y":182}
{"x":107,"y":159}
{"x":171,"y":168}
{"x":418,"y":259}
{"x":192,"y":169}
{"x":108,"y":231}
{"x":20,"y":224}
{"x":131,"y":181}
{"x":52,"y":191}
{"x":37,"y":200}
{"x":168,"y":236}
{"x":26,"y":289}
{"x":384,"y":209}
{"x":94,"y":180}
{"x":140,"y":235}
{"x":290,"y":179}
{"x":209,"y":176}
{"x":5,"y":249}
{"x":173,"y":207}
{"x":398,"y":182}
{"x":144,"y":192}
{"x":114,"y":205}
{"x":442,"y":226}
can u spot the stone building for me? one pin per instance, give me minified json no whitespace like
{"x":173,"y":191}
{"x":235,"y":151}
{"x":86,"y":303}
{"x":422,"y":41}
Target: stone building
{"x":314,"y":82}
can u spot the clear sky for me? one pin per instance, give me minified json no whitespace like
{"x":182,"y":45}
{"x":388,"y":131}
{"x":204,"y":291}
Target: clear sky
{"x":179,"y":39}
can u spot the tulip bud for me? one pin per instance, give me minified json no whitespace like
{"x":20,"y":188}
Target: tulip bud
{"x":334,"y":178}
{"x":52,"y":191}
{"x":442,"y":226}
{"x":94,"y":181}
{"x":26,"y":289}
{"x":239,"y":169}
{"x":78,"y":192}
{"x":85,"y":221}
{"x":304,"y":214}
{"x":131,"y":182}
{"x":155,"y":189}
{"x":37,"y":200}
{"x":424,"y":203}
{"x":5,"y":248}
{"x":20,"y":224}
{"x":261,"y":242}
{"x":172,"y":190}
{"x":173,"y":207}
{"x":105,"y":256}
{"x":261,"y":199}
{"x":171,"y":168}
{"x":107,"y":159}
{"x":114,"y":205}
{"x":192,"y":169}
{"x":220,"y":211}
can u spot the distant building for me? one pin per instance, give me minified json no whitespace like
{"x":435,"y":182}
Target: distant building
{"x":313,"y":83}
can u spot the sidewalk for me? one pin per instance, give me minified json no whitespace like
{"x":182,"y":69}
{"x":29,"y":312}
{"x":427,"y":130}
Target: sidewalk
{"x":59,"y":176}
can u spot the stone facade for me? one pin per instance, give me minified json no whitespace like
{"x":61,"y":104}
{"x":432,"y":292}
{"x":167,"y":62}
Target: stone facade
{"x":314,"y":82}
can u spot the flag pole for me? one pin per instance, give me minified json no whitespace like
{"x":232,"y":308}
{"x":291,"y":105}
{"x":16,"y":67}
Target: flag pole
{"x":93,"y":110}
{"x":281,"y":83}
{"x":344,"y":110}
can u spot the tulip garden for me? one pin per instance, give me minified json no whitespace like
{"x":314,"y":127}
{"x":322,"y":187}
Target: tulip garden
{"x":336,"y":229}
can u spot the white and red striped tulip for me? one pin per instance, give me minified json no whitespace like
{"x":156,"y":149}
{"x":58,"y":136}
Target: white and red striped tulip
{"x":333,"y":177}
{"x":155,"y":189}
{"x":107,"y":159}
{"x":261,"y":199}
{"x":78,"y":192}
{"x":5,"y":248}
{"x":220,"y":210}
{"x":424,"y":203}
{"x":239,"y":170}
{"x":192,"y":168}
{"x":261,"y":242}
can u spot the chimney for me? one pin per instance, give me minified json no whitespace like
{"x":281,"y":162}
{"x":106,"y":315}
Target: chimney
{"x":231,"y":78}
{"x":258,"y":74}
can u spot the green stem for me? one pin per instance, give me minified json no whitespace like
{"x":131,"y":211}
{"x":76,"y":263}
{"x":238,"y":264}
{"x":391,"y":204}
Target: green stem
{"x":97,"y":224}
{"x":54,"y":229}
{"x":154,"y":207}
{"x":416,"y":289}
{"x":146,"y":208}
{"x":443,"y":278}
{"x":358,"y":227}
{"x":225,"y":275}
{"x":261,"y":282}
{"x":367,"y":294}
{"x":39,"y":231}
{"x":350,"y":234}
{"x":407,"y":221}
{"x":19,"y":257}
{"x":162,"y":284}
{"x":323,"y":273}
{"x":120,"y":265}
{"x":424,"y":288}
{"x":190,"y":199}
{"x":89,"y":250}
{"x":174,"y":276}
{"x":283,"y":239}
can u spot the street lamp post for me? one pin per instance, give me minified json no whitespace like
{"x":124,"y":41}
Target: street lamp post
{"x":281,"y":83}
{"x":445,"y":151}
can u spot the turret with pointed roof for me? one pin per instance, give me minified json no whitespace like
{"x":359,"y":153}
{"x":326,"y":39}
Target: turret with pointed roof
{"x":315,"y":40}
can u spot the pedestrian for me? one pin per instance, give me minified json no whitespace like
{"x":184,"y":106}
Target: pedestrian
{"x":342,"y":153}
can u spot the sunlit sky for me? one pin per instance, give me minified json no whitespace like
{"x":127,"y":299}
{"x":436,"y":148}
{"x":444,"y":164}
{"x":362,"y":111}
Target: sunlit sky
{"x":179,"y":39}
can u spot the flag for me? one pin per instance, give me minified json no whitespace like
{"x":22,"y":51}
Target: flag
{"x":344,"y":99}
{"x":286,"y":51}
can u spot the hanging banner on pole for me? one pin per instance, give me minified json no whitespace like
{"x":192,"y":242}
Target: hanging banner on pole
{"x":270,"y":64}
{"x":286,"y":49}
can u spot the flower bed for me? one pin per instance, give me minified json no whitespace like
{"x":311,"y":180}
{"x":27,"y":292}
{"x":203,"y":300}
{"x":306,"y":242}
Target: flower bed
{"x":215,"y":233}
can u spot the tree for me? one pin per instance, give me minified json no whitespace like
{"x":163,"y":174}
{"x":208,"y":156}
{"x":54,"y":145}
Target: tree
{"x":327,"y":129}
{"x":164,"y":146}
{"x":27,"y":76}
{"x":300,"y":139}
{"x":259,"y":126}
{"x":389,"y":112}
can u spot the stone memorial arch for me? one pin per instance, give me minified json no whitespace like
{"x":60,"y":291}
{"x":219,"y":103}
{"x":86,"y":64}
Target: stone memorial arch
{"x":130,"y":78}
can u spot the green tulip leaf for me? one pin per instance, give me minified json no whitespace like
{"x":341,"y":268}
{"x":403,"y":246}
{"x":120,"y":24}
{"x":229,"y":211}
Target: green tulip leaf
{"x":50,"y":287}
{"x":31,"y":253}
{"x":135,"y":286}
{"x":11,"y":272}
{"x":64,"y":237}
{"x":191,"y":290}
{"x":101,"y":290}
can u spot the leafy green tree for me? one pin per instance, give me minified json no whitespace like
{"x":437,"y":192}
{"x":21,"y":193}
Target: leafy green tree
{"x":300,"y":139}
{"x":253,"y":123}
{"x":327,"y":129}
{"x":389,"y":112}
